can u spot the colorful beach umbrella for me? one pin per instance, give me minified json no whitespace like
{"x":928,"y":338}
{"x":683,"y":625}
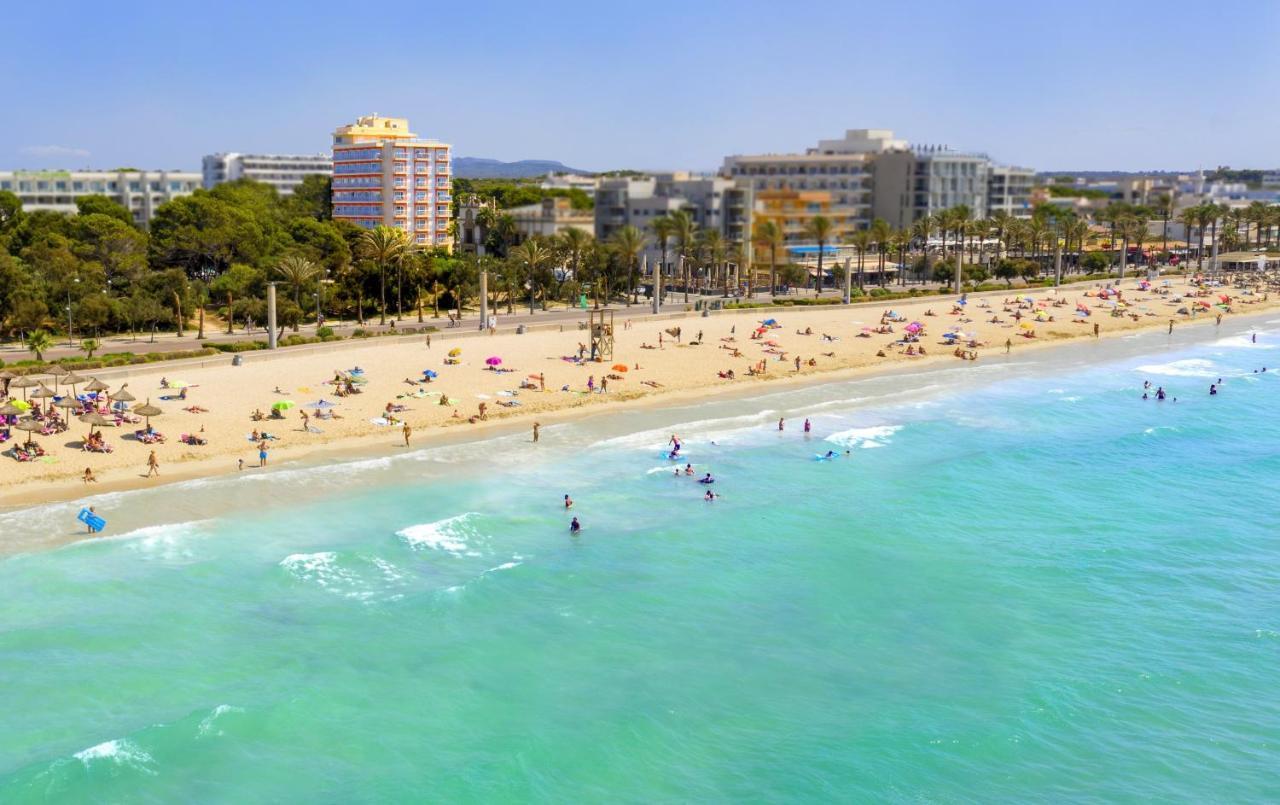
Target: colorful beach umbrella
{"x":321,"y":405}
{"x":429,"y":373}
{"x":455,"y":352}
{"x":619,"y":367}
{"x":283,"y":405}
{"x":493,"y":360}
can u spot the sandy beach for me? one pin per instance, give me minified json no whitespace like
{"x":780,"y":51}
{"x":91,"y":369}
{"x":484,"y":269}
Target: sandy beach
{"x":649,"y":365}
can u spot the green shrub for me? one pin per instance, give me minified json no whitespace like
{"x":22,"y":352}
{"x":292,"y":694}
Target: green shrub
{"x":324,"y":333}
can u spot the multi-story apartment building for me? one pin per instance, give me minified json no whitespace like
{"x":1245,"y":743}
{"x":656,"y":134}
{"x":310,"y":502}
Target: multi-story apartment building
{"x":1009,"y":190}
{"x":570,"y":181}
{"x":140,"y":192}
{"x":383,"y":174}
{"x":838,"y":170}
{"x":284,"y":172}
{"x":549,"y":217}
{"x":712,"y":201}
{"x":911,"y":184}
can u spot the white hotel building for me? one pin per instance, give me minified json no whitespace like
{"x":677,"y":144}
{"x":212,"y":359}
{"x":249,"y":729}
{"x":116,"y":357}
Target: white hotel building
{"x":284,"y":172}
{"x":139,"y":192}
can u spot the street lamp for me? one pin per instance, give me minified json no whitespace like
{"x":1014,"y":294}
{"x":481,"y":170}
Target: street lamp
{"x":70,"y":343}
{"x":529,"y":287}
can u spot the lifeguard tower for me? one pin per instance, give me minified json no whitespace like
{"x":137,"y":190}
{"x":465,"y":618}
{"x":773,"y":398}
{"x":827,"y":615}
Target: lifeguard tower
{"x":601,"y":326}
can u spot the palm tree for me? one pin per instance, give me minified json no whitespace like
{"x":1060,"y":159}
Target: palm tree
{"x":1189,"y":218}
{"x":1127,"y":228}
{"x":901,"y":243}
{"x":712,"y":249}
{"x":770,"y":236}
{"x":533,"y":255}
{"x":819,"y":229}
{"x":1000,"y":221}
{"x":861,"y":241}
{"x":385,"y":247}
{"x":297,"y":272}
{"x":574,"y":242}
{"x":1163,"y":209}
{"x":922,"y":230}
{"x":960,"y":222}
{"x":982,"y":231}
{"x":880,"y":234}
{"x":683,"y":230}
{"x":629,"y":243}
{"x":40,"y":342}
{"x":662,"y":227}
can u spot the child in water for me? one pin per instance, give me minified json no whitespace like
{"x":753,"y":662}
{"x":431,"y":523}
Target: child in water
{"x":575,"y":526}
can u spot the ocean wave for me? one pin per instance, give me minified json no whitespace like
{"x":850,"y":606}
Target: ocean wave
{"x":657,"y":437}
{"x":120,"y":752}
{"x":867,"y":437}
{"x":207,"y":726}
{"x":1242,"y":342}
{"x":1188,"y":367}
{"x":452,"y":535}
{"x":356,"y":577}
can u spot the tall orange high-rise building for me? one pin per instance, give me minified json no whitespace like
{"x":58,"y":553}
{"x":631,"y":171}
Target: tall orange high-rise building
{"x":383,"y":174}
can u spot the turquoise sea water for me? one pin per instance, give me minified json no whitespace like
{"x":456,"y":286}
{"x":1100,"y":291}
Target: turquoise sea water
{"x":1024,"y":583}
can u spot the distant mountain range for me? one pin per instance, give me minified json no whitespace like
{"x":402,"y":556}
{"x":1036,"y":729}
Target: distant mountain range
{"x":479,"y":168}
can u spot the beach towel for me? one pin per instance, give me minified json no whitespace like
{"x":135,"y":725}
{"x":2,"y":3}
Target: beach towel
{"x":382,"y":421}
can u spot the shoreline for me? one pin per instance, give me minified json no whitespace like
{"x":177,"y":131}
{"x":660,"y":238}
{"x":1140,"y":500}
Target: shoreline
{"x":36,"y":490}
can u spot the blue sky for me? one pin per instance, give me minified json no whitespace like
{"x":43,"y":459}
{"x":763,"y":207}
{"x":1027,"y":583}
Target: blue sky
{"x":1124,"y":84}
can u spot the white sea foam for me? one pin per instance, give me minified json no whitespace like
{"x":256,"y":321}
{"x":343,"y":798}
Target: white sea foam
{"x":120,"y":752}
{"x":453,"y":535}
{"x":657,"y":437}
{"x":1189,"y":367}
{"x":356,"y":578}
{"x":208,"y":723}
{"x":504,"y":566}
{"x":867,"y":438}
{"x":1245,"y":342}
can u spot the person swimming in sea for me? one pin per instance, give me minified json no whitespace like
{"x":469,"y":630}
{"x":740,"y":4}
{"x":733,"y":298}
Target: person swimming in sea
{"x":575,"y":526}
{"x":709,"y":496}
{"x":1213,"y":389}
{"x":688,"y":469}
{"x":1160,"y":393}
{"x":830,"y":454}
{"x":568,"y":502}
{"x":707,"y":479}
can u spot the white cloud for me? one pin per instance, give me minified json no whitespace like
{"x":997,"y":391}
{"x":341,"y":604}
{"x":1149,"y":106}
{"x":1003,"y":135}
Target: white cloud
{"x":53,"y":151}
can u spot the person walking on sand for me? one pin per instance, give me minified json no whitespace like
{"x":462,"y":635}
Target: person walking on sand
{"x":1170,"y":326}
{"x":408,"y":431}
{"x":542,"y":381}
{"x":88,"y":476}
{"x":262,"y":453}
{"x":153,"y":465}
{"x":537,"y":426}
{"x":1008,"y":345}
{"x":1096,"y":328}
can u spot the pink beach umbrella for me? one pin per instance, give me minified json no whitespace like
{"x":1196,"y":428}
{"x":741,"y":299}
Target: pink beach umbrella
{"x":493,"y":361}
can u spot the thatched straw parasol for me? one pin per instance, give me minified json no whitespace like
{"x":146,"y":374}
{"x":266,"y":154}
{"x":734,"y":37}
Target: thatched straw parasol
{"x":123,"y":395}
{"x":68,"y":403}
{"x":72,"y":379}
{"x":30,"y":426}
{"x":23,"y":382}
{"x":9,"y":409}
{"x":43,"y":392}
{"x":96,"y":420}
{"x":148,"y":410}
{"x":5,"y":374}
{"x":96,"y":385}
